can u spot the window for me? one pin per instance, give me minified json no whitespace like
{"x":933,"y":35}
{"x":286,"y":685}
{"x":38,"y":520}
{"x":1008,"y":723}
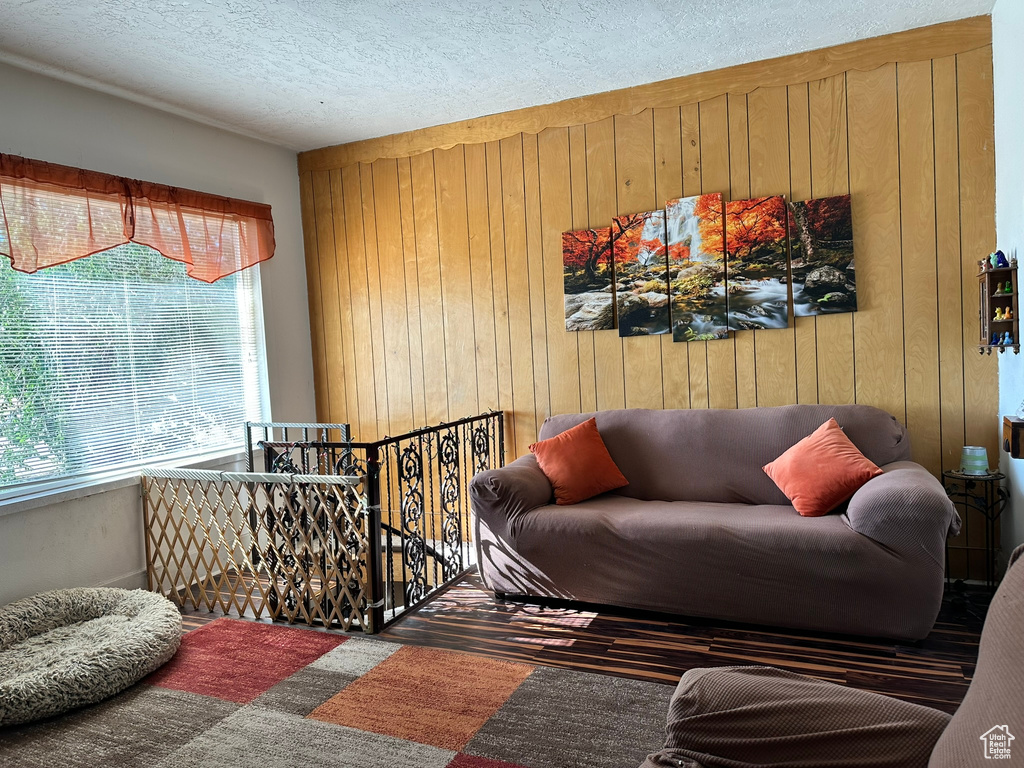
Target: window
{"x":118,"y":360}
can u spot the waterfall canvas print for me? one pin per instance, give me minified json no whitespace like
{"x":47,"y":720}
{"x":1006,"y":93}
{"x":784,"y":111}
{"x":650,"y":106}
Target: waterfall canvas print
{"x":588,"y":279}
{"x":756,"y":263}
{"x":821,"y":243}
{"x":696,"y":257}
{"x":641,"y":273}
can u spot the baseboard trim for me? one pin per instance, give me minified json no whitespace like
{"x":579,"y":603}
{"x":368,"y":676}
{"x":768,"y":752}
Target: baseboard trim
{"x":132,"y":580}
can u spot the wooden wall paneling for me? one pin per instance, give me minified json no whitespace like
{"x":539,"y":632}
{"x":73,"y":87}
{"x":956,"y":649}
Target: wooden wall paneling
{"x":950,"y":283}
{"x":394,"y":302}
{"x":518,"y":280}
{"x":556,"y":203}
{"x":482,"y":280}
{"x":977,"y":240}
{"x":875,"y":187}
{"x":714,"y":175}
{"x":739,"y":189}
{"x":421,"y":273}
{"x":805,"y":333}
{"x":635,"y":193}
{"x":977,"y":233}
{"x":768,"y":125}
{"x":911,"y":45}
{"x":350,"y":411}
{"x":450,"y":287}
{"x":327,"y":263}
{"x":581,"y":220}
{"x":435,"y":359}
{"x":316,"y":325}
{"x":578,"y":176}
{"x":830,"y":175}
{"x":950,"y":274}
{"x":502,"y":326}
{"x":600,"y":137}
{"x":365,"y":427}
{"x":535,"y":259}
{"x":920,"y":297}
{"x":380,"y":365}
{"x":410,"y":258}
{"x":456,"y":282}
{"x":689,"y":139}
{"x":668,"y":185}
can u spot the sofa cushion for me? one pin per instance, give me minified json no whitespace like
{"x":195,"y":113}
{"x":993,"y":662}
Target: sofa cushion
{"x":718,"y":455}
{"x":821,"y":471}
{"x":764,"y":564}
{"x":577,"y":464}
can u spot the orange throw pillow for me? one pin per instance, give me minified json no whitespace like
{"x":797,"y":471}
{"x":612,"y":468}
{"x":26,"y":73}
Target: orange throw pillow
{"x":578,"y":464}
{"x":821,"y":471}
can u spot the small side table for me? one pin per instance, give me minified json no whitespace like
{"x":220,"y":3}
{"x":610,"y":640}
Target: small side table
{"x":985,"y":494}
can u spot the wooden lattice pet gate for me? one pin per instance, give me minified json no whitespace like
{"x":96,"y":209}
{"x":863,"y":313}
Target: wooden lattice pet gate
{"x":294,"y":548}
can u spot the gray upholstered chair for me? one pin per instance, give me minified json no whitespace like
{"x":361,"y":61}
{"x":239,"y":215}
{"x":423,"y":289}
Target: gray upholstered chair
{"x":740,"y":717}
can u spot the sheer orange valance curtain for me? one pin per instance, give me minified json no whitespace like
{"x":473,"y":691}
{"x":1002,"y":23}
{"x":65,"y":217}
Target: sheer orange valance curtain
{"x":52,"y":214}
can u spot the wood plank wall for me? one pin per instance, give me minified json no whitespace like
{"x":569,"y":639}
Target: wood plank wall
{"x":435,"y":281}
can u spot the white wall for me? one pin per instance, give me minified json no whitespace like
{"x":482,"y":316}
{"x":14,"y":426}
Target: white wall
{"x":97,"y":539}
{"x":1008,"y":62}
{"x":90,"y":540}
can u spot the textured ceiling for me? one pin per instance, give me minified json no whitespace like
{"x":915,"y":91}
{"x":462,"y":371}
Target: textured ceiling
{"x":308,"y":73}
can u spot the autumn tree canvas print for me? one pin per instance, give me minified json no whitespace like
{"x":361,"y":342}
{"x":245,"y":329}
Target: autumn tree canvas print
{"x":696,"y":262}
{"x":589,"y":280}
{"x":756,"y":263}
{"x":641,"y":273}
{"x":821,"y":243}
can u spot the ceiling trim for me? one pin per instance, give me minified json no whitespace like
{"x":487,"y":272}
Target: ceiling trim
{"x":913,"y":45}
{"x":31,"y":65}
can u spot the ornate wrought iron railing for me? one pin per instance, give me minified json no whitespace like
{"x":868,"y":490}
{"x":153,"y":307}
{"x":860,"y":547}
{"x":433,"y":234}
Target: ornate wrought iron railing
{"x":334,"y":532}
{"x":417,"y":491}
{"x":280,"y":433}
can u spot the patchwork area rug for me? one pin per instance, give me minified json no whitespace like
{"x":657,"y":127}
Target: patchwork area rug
{"x":245,"y":694}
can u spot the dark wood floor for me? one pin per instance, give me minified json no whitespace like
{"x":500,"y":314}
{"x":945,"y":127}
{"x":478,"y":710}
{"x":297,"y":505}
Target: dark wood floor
{"x":934,"y":672}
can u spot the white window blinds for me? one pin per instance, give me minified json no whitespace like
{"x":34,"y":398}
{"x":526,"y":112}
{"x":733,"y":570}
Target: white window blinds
{"x":119,"y":360}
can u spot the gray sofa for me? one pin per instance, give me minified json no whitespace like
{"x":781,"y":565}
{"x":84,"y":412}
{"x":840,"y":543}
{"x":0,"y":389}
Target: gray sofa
{"x":701,"y":530}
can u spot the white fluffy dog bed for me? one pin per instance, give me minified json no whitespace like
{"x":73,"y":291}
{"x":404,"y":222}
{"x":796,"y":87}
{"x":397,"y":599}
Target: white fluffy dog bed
{"x":71,"y":647}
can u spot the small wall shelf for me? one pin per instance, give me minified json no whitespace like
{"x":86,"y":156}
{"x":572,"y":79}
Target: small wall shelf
{"x":994,"y":297}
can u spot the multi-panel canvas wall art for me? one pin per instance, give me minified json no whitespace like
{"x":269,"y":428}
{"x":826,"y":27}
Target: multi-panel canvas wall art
{"x":589,"y":280}
{"x":702,"y":268}
{"x":821,"y":245}
{"x":756,"y":263}
{"x":641,"y":273}
{"x":696,"y":258}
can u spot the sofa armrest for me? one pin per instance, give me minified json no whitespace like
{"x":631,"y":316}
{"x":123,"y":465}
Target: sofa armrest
{"x":500,"y":497}
{"x":765,"y":716}
{"x":906,"y":510}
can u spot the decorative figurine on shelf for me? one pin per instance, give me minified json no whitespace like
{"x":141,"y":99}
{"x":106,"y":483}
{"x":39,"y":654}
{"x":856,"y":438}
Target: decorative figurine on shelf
{"x":1013,"y":262}
{"x":995,"y":339}
{"x":999,"y":287}
{"x":1001,"y":262}
{"x":1008,"y":314}
{"x":1007,"y":339}
{"x":992,"y":261}
{"x":1008,"y":288}
{"x":998,"y":316}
